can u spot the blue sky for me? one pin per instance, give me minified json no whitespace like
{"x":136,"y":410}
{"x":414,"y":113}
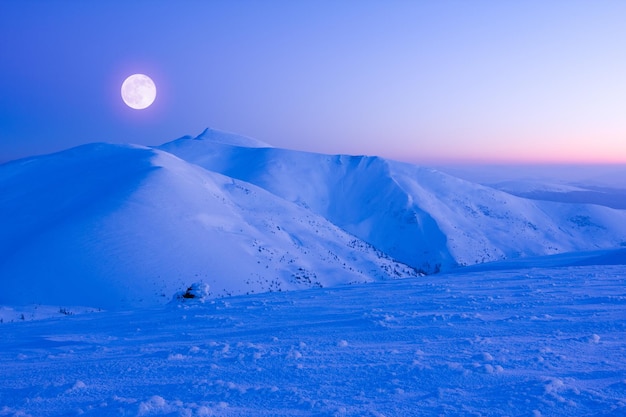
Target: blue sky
{"x":420,"y":81}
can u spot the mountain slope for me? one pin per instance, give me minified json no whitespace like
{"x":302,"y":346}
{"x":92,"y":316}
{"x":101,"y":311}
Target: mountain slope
{"x":483,"y":224}
{"x":420,"y":216}
{"x":124,"y":225}
{"x":354,"y":192}
{"x":119,"y":225}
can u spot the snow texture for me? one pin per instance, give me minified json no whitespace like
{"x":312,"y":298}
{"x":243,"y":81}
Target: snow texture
{"x":113,"y":226}
{"x":419,"y":216}
{"x":138,"y":281}
{"x":549,"y":342}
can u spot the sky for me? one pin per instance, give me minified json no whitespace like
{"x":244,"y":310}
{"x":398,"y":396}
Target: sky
{"x":418,"y":81}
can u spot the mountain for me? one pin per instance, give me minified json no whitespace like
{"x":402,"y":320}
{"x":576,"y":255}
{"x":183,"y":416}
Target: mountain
{"x":114,"y":226}
{"x":588,"y":194}
{"x":218,"y":136}
{"x":420,"y":216}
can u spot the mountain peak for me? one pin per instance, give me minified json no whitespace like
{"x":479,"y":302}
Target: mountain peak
{"x":228,"y":138}
{"x":221,"y":137}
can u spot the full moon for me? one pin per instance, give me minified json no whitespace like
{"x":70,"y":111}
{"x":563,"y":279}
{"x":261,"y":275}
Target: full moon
{"x":138,"y":91}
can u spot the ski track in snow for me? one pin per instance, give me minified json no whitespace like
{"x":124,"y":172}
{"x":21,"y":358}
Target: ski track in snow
{"x":537,"y":342}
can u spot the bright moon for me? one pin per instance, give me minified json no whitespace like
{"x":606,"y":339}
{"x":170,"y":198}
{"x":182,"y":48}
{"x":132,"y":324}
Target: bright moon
{"x":138,"y":91}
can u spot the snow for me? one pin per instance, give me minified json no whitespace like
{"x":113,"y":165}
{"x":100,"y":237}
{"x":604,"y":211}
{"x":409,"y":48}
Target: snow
{"x":218,"y":136}
{"x":112,"y":226}
{"x":598,"y":257}
{"x":420,"y":216}
{"x":547,"y":191}
{"x":218,"y":276}
{"x":520,"y":187}
{"x":543,"y":341}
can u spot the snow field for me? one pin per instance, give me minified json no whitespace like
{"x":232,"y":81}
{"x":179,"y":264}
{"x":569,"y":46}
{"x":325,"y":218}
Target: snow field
{"x":537,"y":342}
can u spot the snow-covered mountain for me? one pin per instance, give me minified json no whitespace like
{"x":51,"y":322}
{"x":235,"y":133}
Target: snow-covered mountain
{"x":125,"y":225}
{"x":128,"y":225}
{"x":418,"y":215}
{"x":566,"y":193}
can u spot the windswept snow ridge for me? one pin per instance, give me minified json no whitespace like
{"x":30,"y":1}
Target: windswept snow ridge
{"x":217,"y":136}
{"x":112,"y":226}
{"x":420,"y":216}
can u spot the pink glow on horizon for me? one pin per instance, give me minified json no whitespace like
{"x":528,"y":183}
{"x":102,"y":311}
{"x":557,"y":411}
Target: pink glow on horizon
{"x":520,"y":158}
{"x":598,"y":149}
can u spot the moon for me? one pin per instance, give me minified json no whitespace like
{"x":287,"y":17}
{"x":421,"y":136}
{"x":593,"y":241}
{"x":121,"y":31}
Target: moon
{"x":138,"y":91}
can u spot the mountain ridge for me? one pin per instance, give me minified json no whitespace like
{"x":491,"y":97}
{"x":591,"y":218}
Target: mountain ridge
{"x":437,"y":220}
{"x":165,"y":224}
{"x":126,"y":225}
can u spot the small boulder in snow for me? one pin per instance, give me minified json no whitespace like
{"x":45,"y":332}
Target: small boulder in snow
{"x":198,"y":291}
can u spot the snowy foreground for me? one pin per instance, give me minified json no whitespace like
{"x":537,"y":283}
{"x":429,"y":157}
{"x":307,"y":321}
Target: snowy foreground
{"x":533,"y":342}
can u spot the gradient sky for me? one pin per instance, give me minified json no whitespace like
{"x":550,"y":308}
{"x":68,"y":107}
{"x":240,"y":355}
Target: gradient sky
{"x":419,"y":81}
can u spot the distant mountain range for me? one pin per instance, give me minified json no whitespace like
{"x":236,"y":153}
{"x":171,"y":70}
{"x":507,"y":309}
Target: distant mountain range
{"x":588,"y":194}
{"x":132,"y":225}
